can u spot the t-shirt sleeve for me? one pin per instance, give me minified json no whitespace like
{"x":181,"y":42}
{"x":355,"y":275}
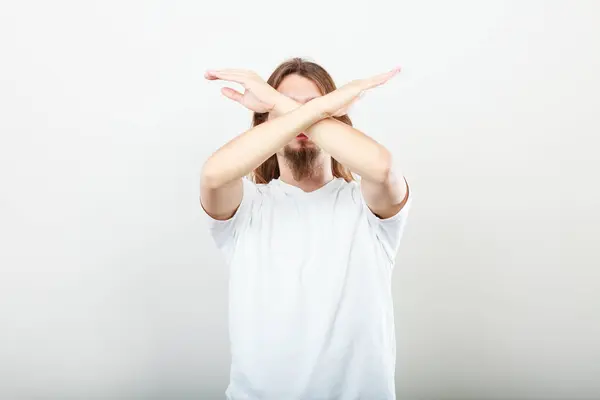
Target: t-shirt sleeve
{"x":226,"y":232}
{"x":388,"y":231}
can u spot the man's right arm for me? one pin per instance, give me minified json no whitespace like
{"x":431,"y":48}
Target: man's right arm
{"x":221,"y":187}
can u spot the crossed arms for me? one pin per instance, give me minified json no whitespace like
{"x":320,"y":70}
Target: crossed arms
{"x":383,"y":187}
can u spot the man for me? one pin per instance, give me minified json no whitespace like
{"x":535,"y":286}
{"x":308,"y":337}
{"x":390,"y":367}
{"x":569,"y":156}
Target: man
{"x":310,"y":250}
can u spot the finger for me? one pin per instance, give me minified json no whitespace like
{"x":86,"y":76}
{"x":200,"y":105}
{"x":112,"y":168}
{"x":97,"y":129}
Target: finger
{"x":386,"y":76}
{"x":218,"y":74}
{"x":380,"y":79}
{"x":226,"y":76}
{"x":232,"y":94}
{"x":230,"y":71}
{"x":210,"y":75}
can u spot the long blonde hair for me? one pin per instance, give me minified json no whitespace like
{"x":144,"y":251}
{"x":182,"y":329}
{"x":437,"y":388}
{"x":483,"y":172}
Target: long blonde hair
{"x":269,"y":169}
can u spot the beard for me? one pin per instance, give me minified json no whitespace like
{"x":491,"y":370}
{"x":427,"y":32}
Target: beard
{"x":302,"y":161}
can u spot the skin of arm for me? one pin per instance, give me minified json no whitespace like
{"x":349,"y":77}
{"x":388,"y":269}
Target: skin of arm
{"x":221,"y":177}
{"x":385,"y":190}
{"x":221,"y":185}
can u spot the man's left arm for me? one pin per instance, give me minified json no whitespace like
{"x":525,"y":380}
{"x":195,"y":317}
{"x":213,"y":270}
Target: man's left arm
{"x":383,"y":187}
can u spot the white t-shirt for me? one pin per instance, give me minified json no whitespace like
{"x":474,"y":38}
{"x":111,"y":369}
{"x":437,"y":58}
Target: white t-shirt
{"x":310,"y":304}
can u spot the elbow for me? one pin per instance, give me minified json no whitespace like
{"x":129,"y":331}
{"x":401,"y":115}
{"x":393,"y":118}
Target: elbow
{"x":384,"y":167}
{"x":209,"y":178}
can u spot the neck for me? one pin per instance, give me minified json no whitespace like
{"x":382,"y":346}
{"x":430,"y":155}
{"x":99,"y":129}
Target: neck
{"x":320,"y":175}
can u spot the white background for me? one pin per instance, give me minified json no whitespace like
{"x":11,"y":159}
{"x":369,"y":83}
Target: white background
{"x":110,"y":286}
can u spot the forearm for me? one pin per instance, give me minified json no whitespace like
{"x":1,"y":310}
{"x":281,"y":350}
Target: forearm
{"x":357,"y":151}
{"x":244,"y":153}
